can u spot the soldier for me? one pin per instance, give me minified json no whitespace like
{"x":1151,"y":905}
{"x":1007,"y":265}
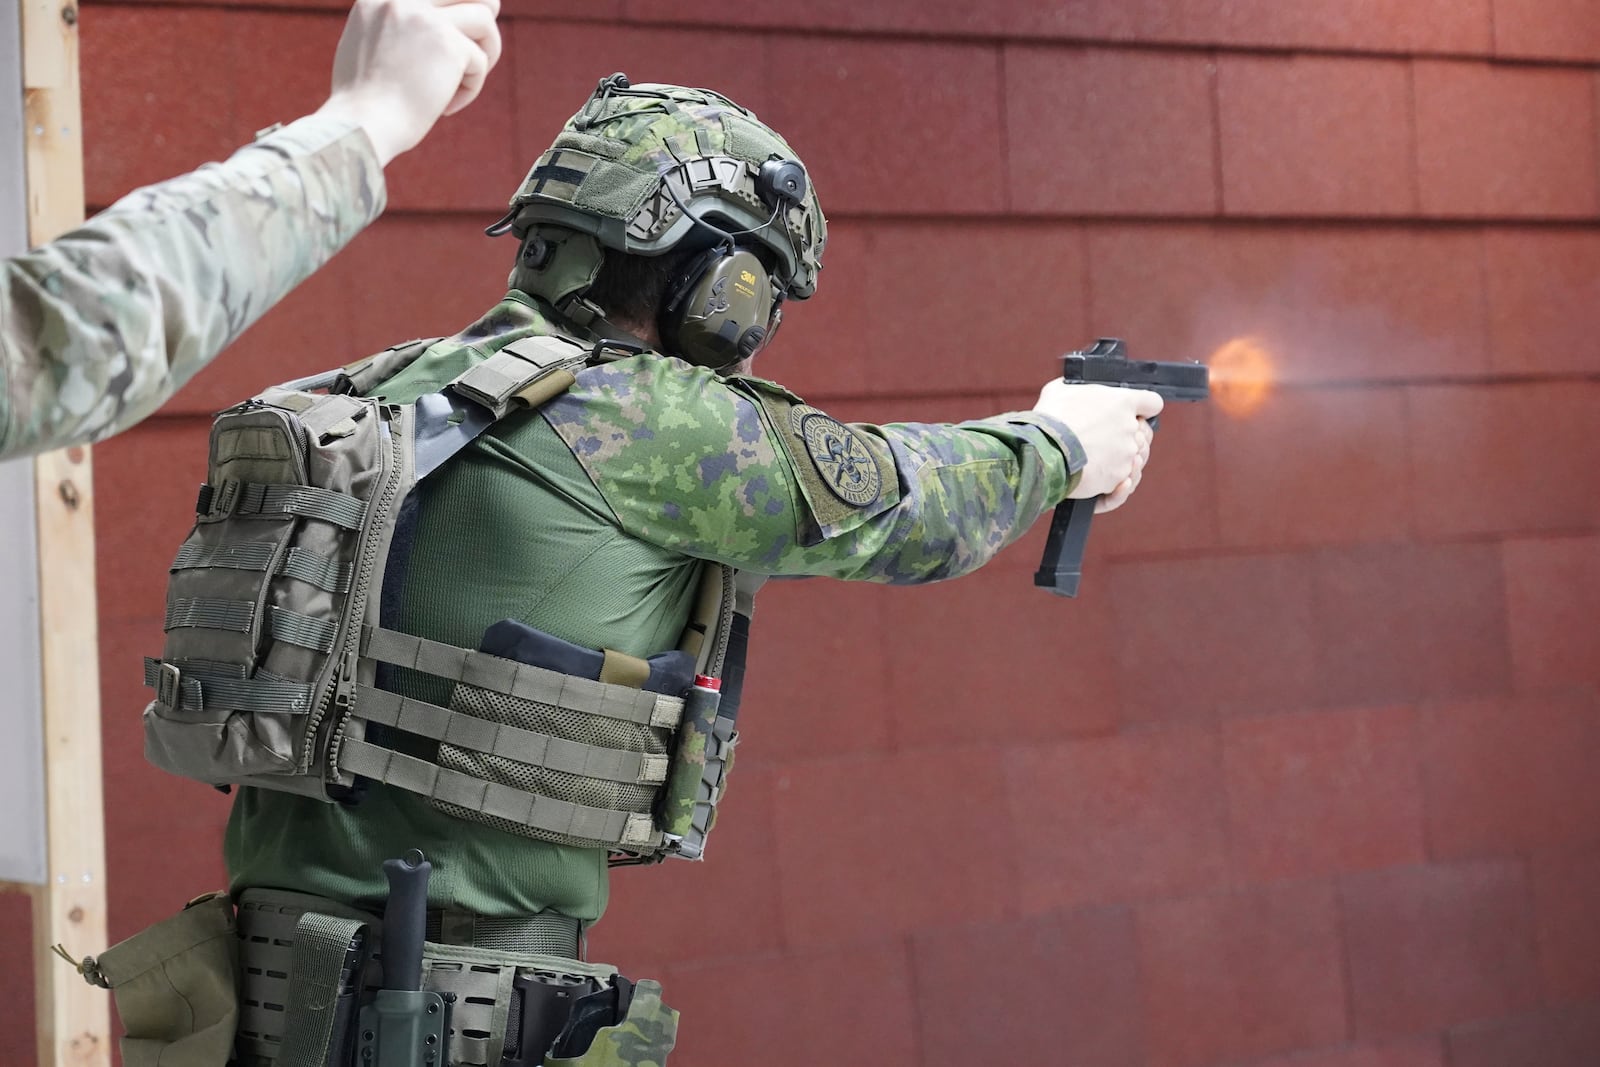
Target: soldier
{"x":663,"y":231}
{"x":509,"y":631}
{"x":102,"y":325}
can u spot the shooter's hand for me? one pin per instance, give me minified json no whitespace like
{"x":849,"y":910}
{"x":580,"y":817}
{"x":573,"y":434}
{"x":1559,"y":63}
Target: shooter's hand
{"x":1111,"y":426}
{"x":401,"y":64}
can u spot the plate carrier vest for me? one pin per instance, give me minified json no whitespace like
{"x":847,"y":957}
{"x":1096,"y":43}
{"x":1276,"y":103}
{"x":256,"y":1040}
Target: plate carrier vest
{"x":273,"y":639}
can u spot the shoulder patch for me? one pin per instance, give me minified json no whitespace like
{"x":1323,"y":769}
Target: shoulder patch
{"x":846,"y":476}
{"x":847,"y":468}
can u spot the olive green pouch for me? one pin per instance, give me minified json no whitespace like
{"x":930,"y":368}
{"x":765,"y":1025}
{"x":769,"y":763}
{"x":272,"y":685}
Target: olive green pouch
{"x":176,"y":987}
{"x":642,"y":1039}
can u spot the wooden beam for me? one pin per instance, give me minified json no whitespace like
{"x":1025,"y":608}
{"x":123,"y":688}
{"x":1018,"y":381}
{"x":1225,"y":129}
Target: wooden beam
{"x":70,"y":908}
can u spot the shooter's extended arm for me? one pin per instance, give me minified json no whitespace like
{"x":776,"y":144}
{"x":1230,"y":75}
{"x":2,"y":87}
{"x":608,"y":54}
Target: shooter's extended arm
{"x":1106,"y":362}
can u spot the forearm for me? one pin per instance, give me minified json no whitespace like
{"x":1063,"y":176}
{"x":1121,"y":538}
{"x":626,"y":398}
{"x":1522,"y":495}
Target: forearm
{"x":744,"y":472}
{"x":966,"y":492}
{"x":101,"y":326}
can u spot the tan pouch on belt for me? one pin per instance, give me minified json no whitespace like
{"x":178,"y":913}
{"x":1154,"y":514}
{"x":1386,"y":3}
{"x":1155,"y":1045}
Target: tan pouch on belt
{"x":176,"y":987}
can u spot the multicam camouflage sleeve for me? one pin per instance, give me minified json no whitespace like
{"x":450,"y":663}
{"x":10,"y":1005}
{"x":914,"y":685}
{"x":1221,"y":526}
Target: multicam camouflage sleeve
{"x":102,"y":325}
{"x":746,"y":473}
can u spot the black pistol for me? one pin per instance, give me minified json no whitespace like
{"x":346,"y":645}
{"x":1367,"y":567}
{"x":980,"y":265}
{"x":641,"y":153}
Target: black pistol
{"x":1106,"y":362}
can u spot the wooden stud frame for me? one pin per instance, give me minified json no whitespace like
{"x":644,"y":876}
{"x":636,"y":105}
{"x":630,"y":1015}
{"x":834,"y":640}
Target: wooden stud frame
{"x":70,"y":908}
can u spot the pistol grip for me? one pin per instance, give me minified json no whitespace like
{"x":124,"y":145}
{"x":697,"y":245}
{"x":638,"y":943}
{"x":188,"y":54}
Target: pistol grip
{"x":1062,"y":566}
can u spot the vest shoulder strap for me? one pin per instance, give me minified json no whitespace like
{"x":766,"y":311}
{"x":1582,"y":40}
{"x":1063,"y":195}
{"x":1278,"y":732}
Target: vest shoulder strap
{"x":528,"y":372}
{"x":364,"y":375}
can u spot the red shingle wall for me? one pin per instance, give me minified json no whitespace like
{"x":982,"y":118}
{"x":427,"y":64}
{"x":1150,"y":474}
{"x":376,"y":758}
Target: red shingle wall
{"x":1307,"y":774}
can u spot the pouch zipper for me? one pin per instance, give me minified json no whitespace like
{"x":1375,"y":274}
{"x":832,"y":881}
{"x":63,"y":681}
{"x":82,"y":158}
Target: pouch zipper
{"x":719,"y":649}
{"x":342,"y":698}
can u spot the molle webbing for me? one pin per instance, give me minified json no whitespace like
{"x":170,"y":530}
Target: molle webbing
{"x":328,"y":575}
{"x":238,"y":616}
{"x":502,"y":739}
{"x":521,"y":679}
{"x":307,"y":501}
{"x":537,"y":751}
{"x":516,"y":806}
{"x":268,"y":950}
{"x":209,"y":614}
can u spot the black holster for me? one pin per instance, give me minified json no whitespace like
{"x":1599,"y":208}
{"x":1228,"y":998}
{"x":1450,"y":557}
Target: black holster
{"x":541,"y":1008}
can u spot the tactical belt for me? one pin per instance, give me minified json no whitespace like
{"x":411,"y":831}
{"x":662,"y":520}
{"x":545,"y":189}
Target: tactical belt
{"x":273,"y":913}
{"x":546,"y":933}
{"x":294,"y":945}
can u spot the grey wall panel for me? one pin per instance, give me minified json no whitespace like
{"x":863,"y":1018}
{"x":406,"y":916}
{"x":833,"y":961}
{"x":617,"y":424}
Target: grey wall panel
{"x":13,"y":176}
{"x":22,"y":830}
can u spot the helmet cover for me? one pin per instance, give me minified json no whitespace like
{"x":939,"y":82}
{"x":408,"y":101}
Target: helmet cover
{"x":646,"y":169}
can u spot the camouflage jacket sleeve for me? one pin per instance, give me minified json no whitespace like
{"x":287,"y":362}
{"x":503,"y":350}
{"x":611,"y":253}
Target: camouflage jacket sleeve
{"x":102,"y":325}
{"x":744,"y":472}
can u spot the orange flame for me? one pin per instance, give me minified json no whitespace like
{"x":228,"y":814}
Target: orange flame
{"x":1241,"y":376}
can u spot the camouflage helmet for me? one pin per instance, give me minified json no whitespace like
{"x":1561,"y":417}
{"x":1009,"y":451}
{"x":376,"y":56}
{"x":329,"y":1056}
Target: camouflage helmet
{"x":646,"y":169}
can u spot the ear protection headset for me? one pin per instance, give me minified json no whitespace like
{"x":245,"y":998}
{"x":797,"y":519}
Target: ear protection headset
{"x":724,"y":305}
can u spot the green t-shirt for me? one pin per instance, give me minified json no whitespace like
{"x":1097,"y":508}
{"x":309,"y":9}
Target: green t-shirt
{"x":590,"y":520}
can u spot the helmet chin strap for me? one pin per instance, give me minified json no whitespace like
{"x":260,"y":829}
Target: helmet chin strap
{"x":588,"y":320}
{"x":603,"y":329}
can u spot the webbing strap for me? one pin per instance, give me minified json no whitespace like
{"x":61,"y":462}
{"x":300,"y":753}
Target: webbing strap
{"x":326,"y":574}
{"x":193,"y":688}
{"x":451,"y":419}
{"x":242,"y":556}
{"x":547,"y":932}
{"x":303,"y":630}
{"x":209,"y":613}
{"x":521,"y":679}
{"x":238,"y":616}
{"x":500,"y":739}
{"x":322,"y":944}
{"x":619,"y":828}
{"x":308,"y":501}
